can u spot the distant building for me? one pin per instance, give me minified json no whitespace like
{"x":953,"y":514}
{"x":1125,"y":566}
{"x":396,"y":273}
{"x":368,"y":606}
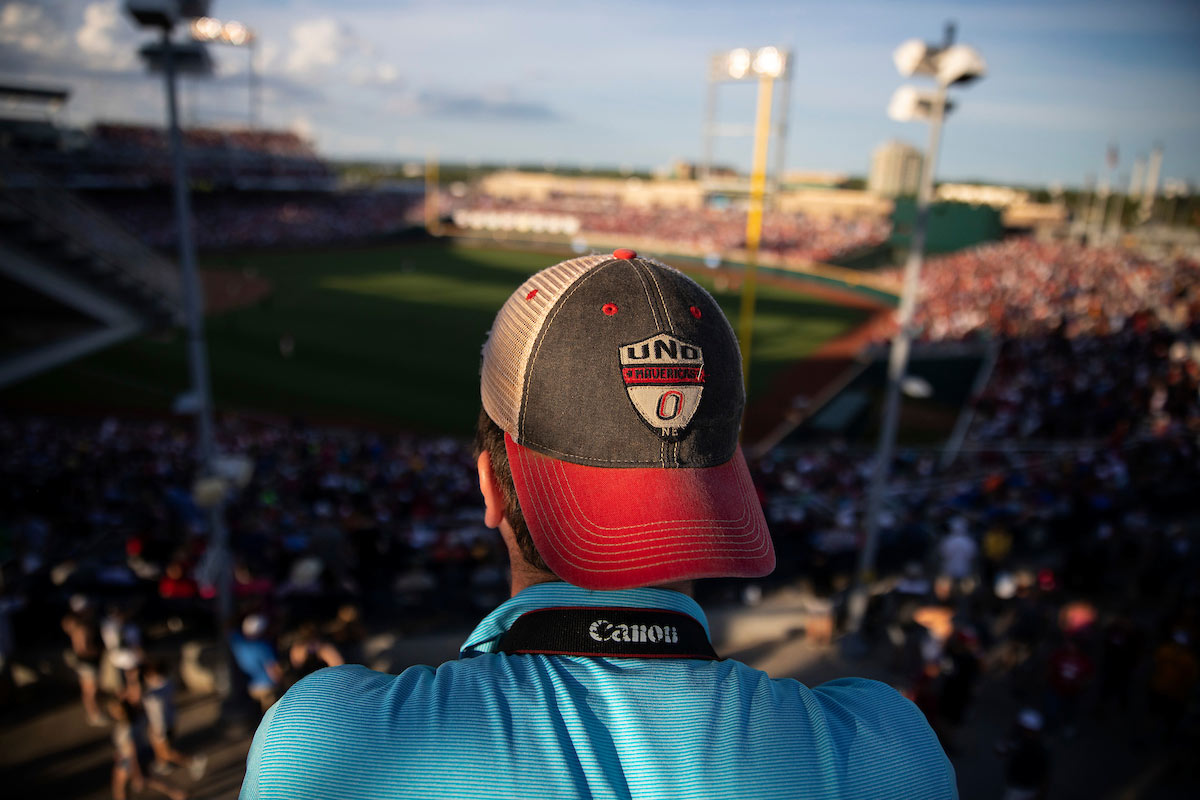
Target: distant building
{"x":981,"y":195}
{"x":815,"y":178}
{"x":1018,"y":211}
{"x":683,"y":170}
{"x":540,"y":187}
{"x":895,"y":169}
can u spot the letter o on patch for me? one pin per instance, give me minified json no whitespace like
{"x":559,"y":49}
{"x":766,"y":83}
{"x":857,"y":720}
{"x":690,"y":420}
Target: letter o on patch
{"x":654,"y":634}
{"x":670,"y":403}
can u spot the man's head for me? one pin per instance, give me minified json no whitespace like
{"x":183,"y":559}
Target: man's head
{"x":613,"y":389}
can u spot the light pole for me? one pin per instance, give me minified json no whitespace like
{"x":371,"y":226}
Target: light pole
{"x":764,"y":65}
{"x":768,"y":64}
{"x":949,"y":65}
{"x":172,"y":58}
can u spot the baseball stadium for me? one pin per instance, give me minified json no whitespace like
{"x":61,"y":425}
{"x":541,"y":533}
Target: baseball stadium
{"x":240,"y":377}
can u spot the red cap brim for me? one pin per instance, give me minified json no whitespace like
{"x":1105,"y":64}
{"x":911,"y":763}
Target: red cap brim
{"x":605,"y":528}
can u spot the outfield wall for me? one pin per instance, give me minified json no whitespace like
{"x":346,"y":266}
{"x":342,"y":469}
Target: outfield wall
{"x":876,"y":291}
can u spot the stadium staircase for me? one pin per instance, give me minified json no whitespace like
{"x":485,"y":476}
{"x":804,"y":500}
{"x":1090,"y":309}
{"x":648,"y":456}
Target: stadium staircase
{"x":76,"y":281}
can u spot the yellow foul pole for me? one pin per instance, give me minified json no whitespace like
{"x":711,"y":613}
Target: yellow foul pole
{"x":758,"y":186}
{"x":431,"y":196}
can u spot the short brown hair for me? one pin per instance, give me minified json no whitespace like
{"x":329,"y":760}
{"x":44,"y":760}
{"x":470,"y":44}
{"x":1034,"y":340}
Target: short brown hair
{"x":489,"y":438}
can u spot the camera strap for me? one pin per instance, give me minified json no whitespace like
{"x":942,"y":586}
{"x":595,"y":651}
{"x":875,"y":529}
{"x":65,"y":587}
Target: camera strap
{"x":607,"y":632}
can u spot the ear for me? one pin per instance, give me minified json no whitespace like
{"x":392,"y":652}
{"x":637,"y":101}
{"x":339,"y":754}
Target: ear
{"x":493,"y":501}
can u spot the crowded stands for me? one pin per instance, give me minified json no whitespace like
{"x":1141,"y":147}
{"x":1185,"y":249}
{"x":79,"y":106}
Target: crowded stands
{"x":225,"y":220}
{"x":791,"y":237}
{"x":127,"y":156}
{"x":1095,"y":342}
{"x":1021,"y":287}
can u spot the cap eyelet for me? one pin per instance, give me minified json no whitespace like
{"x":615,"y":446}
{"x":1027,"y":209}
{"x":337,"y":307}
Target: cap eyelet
{"x":695,"y":312}
{"x":609,"y":309}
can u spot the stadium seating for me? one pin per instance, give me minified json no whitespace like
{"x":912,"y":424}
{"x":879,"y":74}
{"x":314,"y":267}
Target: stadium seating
{"x":67,"y":253}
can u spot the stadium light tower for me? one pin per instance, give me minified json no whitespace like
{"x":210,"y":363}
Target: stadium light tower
{"x":765,"y":65}
{"x":949,"y":65}
{"x":172,"y":58}
{"x":210,"y":29}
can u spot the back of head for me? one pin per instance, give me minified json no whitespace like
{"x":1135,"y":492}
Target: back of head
{"x":617,"y":383}
{"x":254,"y":626}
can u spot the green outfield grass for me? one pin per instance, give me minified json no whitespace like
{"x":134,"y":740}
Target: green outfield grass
{"x":383,"y":336}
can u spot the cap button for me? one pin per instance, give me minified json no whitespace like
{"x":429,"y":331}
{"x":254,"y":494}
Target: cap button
{"x":624,"y":253}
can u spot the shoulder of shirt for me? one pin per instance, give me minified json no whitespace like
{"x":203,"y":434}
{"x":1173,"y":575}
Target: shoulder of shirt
{"x":874,"y":704}
{"x":322,"y":708}
{"x":885,"y":725}
{"x":336,"y":702}
{"x":337,"y":690}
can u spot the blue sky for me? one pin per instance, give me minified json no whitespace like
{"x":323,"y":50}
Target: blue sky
{"x":623,"y":83}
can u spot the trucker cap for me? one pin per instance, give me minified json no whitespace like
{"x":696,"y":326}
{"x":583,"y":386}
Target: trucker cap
{"x":618,"y":383}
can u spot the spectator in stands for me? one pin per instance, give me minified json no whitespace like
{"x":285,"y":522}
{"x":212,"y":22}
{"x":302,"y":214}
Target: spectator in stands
{"x":1070,"y":673}
{"x":308,"y":653}
{"x":126,"y":736}
{"x":122,"y":638}
{"x":158,"y":702}
{"x":1026,"y":759}
{"x":958,"y":553}
{"x":1173,"y":681}
{"x":256,"y":658}
{"x":961,"y":668}
{"x":84,"y":657}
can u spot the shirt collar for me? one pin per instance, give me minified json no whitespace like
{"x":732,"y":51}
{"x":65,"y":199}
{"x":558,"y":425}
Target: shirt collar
{"x":549,"y":595}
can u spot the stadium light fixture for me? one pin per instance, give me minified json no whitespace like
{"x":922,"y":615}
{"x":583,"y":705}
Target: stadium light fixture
{"x":210,"y":29}
{"x":958,"y":65}
{"x":188,"y":58}
{"x":743,"y":64}
{"x":164,"y":13}
{"x":949,"y":64}
{"x":236,"y":34}
{"x":206,"y":28}
{"x":768,"y":62}
{"x":911,"y":57}
{"x":738,"y":63}
{"x":910,"y":103}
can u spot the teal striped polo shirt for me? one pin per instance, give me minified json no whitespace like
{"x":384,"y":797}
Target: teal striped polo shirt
{"x":497,"y":725}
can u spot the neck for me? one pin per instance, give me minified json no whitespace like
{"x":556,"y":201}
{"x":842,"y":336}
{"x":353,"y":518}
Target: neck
{"x":524,"y":578}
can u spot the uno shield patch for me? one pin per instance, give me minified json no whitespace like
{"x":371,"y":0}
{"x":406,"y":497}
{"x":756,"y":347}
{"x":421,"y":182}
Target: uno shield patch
{"x":664,"y":377}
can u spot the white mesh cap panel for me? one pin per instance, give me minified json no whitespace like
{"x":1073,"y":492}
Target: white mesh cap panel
{"x":510,"y":343}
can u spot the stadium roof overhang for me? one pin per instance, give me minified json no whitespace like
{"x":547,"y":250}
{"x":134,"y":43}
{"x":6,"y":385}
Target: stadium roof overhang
{"x":10,"y":93}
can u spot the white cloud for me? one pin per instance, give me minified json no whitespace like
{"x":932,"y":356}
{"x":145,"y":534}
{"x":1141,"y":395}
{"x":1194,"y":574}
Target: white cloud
{"x":104,"y":38}
{"x":60,"y":38}
{"x":374,"y":75}
{"x":26,"y":28}
{"x":19,"y":16}
{"x":319,"y":43}
{"x":386,"y":73}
